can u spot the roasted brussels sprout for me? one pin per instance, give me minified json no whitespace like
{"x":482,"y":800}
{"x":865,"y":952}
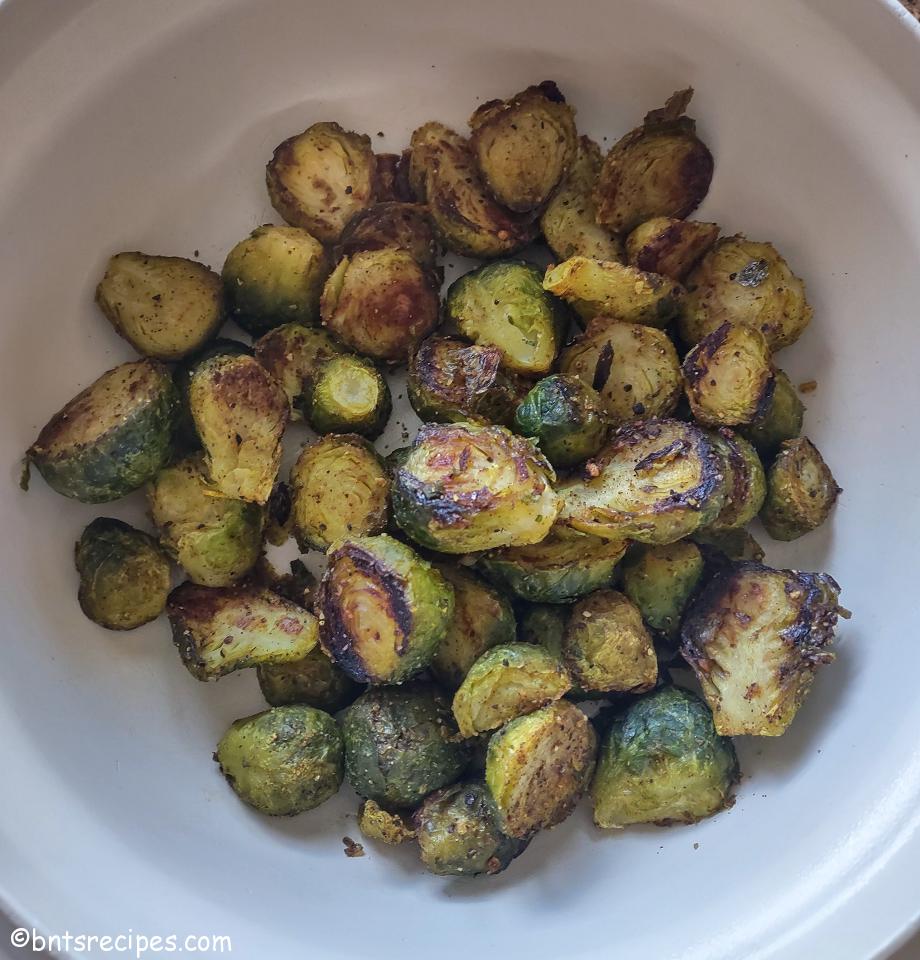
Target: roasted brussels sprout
{"x":340,"y":488}
{"x":504,"y":305}
{"x":564,"y":416}
{"x":383,"y":825}
{"x":661,"y":169}
{"x":743,"y":282}
{"x":544,"y":624}
{"x":507,"y":682}
{"x":728,"y":376}
{"x":275,"y":276}
{"x":124,"y":575}
{"x":747,"y":484}
{"x":383,"y":609}
{"x":321,"y":178}
{"x":381,"y":303}
{"x":569,"y":221}
{"x":482,"y":619}
{"x":524,"y":146}
{"x":221,"y":629}
{"x":400,"y":744}
{"x":463,"y":487}
{"x":609,"y":288}
{"x":315,"y":680}
{"x":384,"y":226}
{"x":538,"y":766}
{"x":755,"y":637}
{"x":459,"y":836}
{"x":656,"y":481}
{"x":735,"y":544}
{"x":283,"y":761}
{"x":165,"y":307}
{"x":112,"y":437}
{"x":349,"y":395}
{"x":801,"y":491}
{"x":781,"y":420}
{"x":670,"y":247}
{"x":662,"y":762}
{"x":633,"y":368}
{"x":564,"y":565}
{"x":660,"y":580}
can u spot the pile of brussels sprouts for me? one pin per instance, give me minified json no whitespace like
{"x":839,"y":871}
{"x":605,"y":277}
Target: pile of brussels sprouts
{"x":568,"y":525}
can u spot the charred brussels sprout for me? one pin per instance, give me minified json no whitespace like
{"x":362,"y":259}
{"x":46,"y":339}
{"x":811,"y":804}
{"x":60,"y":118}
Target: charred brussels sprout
{"x":112,"y":437}
{"x":340,"y":488}
{"x":124,"y":575}
{"x":459,"y":836}
{"x":538,"y":766}
{"x":321,"y":178}
{"x":380,"y":303}
{"x":633,"y":368}
{"x":383,"y":609}
{"x":165,"y":307}
{"x":385,"y":226}
{"x":656,"y":481}
{"x":743,"y":282}
{"x":350,"y":395}
{"x":662,"y":762}
{"x":670,"y":247}
{"x":564,"y":416}
{"x":452,"y":381}
{"x":605,"y":287}
{"x":747,"y":485}
{"x":382,"y":825}
{"x":507,"y":682}
{"x":400,"y":745}
{"x":275,"y":276}
{"x":214,"y":538}
{"x":661,"y":580}
{"x":781,"y":420}
{"x":504,"y":305}
{"x":315,"y":680}
{"x":661,"y":169}
{"x":524,"y":146}
{"x":283,"y":761}
{"x":221,"y":629}
{"x":801,"y":491}
{"x":755,"y":637}
{"x":569,"y":221}
{"x":462,"y":487}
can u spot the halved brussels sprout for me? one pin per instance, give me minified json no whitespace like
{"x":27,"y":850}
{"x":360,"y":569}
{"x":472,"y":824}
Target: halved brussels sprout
{"x":670,"y":247}
{"x":801,"y":491}
{"x":755,"y":637}
{"x":606,"y":287}
{"x":482,"y":619}
{"x":221,"y":629}
{"x":524,"y":146}
{"x":315,"y":680}
{"x":504,"y":305}
{"x":401,"y":744}
{"x":507,"y":682}
{"x":321,"y":178}
{"x":240,"y":414}
{"x":747,"y":482}
{"x":563,"y":566}
{"x":743,"y":282}
{"x":660,"y":580}
{"x":165,"y":307}
{"x":112,"y":437}
{"x":214,"y":538}
{"x":381,"y":303}
{"x":607,"y":647}
{"x":729,"y":376}
{"x":463,"y":487}
{"x":538,"y":766}
{"x":633,"y":368}
{"x":275,"y":276}
{"x":452,"y":381}
{"x":661,"y":169}
{"x":340,"y":488}
{"x":656,"y":481}
{"x":124,"y":575}
{"x":382,"y":825}
{"x":383,"y":226}
{"x":350,"y":395}
{"x":569,"y":222}
{"x":781,"y":420}
{"x":564,"y":416}
{"x":383,"y":610}
{"x":283,"y":761}
{"x":458,"y":833}
{"x":662,"y":762}
{"x":735,"y":544}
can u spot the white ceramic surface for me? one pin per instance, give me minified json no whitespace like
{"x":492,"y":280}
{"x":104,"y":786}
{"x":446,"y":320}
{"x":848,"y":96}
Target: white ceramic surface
{"x":147,"y":125}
